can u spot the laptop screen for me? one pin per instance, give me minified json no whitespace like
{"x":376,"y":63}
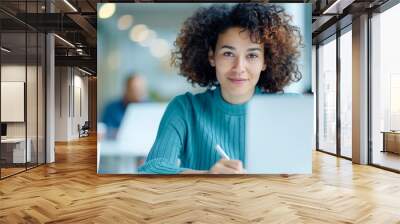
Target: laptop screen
{"x":279,"y":134}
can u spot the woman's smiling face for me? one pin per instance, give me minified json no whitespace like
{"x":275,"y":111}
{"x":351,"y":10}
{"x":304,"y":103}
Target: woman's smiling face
{"x":238,"y":63}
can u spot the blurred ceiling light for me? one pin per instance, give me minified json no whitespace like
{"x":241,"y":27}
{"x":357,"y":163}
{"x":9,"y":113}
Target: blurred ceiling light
{"x":65,"y":41}
{"x":106,"y":10}
{"x":70,"y":5}
{"x":139,"y":33}
{"x":124,"y":22}
{"x":5,"y":50}
{"x":151,"y":37}
{"x":159,"y":48}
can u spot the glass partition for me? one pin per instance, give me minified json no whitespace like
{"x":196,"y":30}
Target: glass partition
{"x":327,"y":96}
{"x":31,"y":100}
{"x":346,"y":93}
{"x":22,"y":90}
{"x":41,"y":107}
{"x":14,"y":152}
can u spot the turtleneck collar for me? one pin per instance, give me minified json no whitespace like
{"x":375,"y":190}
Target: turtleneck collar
{"x":233,"y":109}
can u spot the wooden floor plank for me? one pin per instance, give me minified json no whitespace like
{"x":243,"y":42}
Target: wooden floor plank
{"x":70,"y":191}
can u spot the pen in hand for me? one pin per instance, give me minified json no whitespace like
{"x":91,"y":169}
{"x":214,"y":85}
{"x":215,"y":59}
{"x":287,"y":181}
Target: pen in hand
{"x":226,"y":165}
{"x":221,"y":152}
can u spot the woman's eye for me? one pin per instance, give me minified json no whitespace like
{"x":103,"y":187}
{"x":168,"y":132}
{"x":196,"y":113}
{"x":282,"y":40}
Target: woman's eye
{"x":229,"y":54}
{"x":252,"y":56}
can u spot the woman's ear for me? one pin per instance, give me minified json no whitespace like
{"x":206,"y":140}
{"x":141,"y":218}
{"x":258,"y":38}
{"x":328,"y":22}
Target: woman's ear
{"x":211,"y":57}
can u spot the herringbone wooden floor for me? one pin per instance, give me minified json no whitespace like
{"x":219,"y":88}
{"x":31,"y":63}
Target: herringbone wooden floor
{"x":70,"y":191}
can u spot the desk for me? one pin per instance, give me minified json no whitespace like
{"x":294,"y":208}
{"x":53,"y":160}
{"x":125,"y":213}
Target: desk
{"x":116,"y":157}
{"x":391,"y":141}
{"x":16,"y":148}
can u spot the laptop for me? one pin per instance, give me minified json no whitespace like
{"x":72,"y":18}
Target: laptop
{"x":139,"y":126}
{"x":279,"y":134}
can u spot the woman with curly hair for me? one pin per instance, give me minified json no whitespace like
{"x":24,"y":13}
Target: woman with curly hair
{"x":234,"y":51}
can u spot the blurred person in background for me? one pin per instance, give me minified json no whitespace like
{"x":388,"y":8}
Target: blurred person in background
{"x":135,"y":92}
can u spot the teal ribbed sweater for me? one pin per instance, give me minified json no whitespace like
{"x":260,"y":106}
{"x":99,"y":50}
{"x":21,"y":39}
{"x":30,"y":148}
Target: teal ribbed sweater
{"x":191,"y":127}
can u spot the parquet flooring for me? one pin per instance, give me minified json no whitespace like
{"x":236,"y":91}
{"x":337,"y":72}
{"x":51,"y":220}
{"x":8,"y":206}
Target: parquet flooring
{"x":70,"y":191}
{"x":10,"y":171}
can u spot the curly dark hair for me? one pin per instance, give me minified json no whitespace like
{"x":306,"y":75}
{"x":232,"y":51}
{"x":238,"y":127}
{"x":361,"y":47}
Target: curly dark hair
{"x":266,"y":23}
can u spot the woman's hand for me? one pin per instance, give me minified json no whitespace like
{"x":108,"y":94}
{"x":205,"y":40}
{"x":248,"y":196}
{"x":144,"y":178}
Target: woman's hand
{"x":224,"y":166}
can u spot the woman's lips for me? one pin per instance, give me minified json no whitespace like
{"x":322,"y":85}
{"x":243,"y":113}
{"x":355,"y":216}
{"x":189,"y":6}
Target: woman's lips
{"x":237,"y":81}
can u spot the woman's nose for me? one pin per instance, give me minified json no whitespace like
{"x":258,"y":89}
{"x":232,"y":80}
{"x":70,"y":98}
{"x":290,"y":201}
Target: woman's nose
{"x":239,"y":65}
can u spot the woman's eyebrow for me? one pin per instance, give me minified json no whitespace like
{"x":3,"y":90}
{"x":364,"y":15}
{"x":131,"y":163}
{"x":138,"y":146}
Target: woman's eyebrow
{"x":229,"y":47}
{"x":254,"y":49}
{"x":233,"y":48}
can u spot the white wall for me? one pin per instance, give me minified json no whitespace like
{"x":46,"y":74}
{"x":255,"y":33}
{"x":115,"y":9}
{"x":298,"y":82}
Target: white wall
{"x":62,"y":81}
{"x":70,"y":83}
{"x":79,"y":117}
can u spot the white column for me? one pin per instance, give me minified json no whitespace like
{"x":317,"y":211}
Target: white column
{"x":50,"y":100}
{"x":50,"y":92}
{"x":360,"y":90}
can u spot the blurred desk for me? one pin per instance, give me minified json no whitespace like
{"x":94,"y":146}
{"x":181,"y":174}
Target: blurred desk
{"x":391,"y":141}
{"x":13,"y":150}
{"x":133,"y":141}
{"x":114,"y":157}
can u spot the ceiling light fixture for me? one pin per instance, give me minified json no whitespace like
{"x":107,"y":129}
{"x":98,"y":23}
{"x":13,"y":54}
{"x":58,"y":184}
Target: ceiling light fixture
{"x":84,"y":71}
{"x":70,"y":5}
{"x":64,"y":40}
{"x":5,"y":50}
{"x":338,"y":6}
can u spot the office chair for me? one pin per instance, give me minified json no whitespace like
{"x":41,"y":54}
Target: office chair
{"x":84,"y":130}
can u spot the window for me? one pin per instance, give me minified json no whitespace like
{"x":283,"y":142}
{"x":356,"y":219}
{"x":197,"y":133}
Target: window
{"x":346,"y":93}
{"x":385,"y":89}
{"x":327,"y":96}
